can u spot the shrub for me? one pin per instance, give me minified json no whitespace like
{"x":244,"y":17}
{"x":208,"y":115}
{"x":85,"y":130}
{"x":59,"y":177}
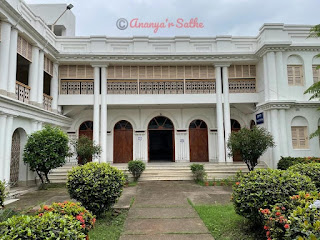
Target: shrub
{"x":286,"y":162}
{"x":86,"y":149}
{"x":6,"y":213}
{"x":2,"y":193}
{"x":299,"y":220}
{"x":97,"y":186}
{"x":199,"y":174}
{"x":263,"y":188}
{"x":46,"y":150}
{"x":251,"y":143}
{"x":85,"y":218}
{"x":50,"y":226}
{"x":136,"y":168}
{"x":311,"y":170}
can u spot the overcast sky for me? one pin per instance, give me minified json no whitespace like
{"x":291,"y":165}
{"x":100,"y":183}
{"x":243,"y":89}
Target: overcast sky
{"x":219,"y":17}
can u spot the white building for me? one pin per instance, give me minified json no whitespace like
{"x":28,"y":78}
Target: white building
{"x":166,"y":98}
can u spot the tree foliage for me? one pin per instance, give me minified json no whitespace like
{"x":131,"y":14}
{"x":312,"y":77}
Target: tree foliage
{"x":86,"y":149}
{"x":45,"y":150}
{"x":251,"y":143}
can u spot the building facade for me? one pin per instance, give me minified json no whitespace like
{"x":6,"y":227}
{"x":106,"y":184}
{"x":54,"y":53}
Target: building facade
{"x":173,"y":99}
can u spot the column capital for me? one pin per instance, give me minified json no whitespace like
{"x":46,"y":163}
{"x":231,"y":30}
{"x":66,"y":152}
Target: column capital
{"x":221,"y":64}
{"x":100,"y":65}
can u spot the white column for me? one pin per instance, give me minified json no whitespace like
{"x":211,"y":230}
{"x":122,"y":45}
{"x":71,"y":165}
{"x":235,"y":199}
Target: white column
{"x":7,"y":150}
{"x":54,"y":88}
{"x":104,"y":112}
{"x":226,"y":107}
{"x":33,"y":75}
{"x":221,"y":149}
{"x":283,"y":132}
{"x":281,"y":81}
{"x":4,"y":56}
{"x":3,"y":121}
{"x":40,"y":78}
{"x":275,"y":133}
{"x":266,"y":78}
{"x":96,"y":106}
{"x":12,"y":71}
{"x":272,"y":76}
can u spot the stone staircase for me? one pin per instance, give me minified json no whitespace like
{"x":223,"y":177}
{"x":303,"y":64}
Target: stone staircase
{"x":165,"y":171}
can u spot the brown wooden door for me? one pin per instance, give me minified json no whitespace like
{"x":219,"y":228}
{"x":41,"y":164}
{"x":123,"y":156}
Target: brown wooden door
{"x":86,"y":129}
{"x":198,"y":139}
{"x":123,"y":142}
{"x":235,"y":127}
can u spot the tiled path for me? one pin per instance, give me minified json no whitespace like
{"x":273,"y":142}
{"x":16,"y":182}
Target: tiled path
{"x":161,"y":212}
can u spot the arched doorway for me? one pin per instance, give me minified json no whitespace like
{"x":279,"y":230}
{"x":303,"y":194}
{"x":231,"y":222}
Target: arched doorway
{"x":123,"y":142}
{"x":235,"y":127}
{"x":198,"y":138}
{"x":15,"y":158}
{"x":86,"y":129}
{"x":252,"y":124}
{"x":161,"y":139}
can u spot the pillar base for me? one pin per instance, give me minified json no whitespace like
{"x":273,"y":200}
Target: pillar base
{"x":3,"y":92}
{"x":12,"y":95}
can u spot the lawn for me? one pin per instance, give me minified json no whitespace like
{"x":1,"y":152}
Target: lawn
{"x":225,"y":224}
{"x":109,"y":227}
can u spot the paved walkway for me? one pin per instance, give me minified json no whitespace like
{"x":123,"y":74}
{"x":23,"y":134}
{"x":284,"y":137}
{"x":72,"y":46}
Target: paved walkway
{"x":161,"y":212}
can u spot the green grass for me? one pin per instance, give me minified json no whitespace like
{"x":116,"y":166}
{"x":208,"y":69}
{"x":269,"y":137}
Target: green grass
{"x":132,"y":184}
{"x":109,"y":227}
{"x":225,"y":224}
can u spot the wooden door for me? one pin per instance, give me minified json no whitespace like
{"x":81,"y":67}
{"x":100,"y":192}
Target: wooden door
{"x":86,"y":129}
{"x":123,"y":142}
{"x":198,"y":139}
{"x":15,"y":159}
{"x":235,"y":127}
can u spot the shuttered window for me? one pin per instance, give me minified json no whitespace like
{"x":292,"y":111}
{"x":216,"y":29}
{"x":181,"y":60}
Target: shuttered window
{"x":48,"y":66}
{"x":76,"y":72}
{"x":316,"y":74}
{"x":24,"y":48}
{"x":300,"y":138}
{"x":295,"y":75}
{"x":242,"y":71}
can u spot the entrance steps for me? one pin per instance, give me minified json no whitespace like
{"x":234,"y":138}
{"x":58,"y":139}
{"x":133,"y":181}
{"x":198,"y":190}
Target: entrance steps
{"x":168,"y":171}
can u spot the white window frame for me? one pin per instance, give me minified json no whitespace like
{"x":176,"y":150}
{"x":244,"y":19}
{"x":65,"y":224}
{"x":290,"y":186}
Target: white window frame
{"x":294,"y":77}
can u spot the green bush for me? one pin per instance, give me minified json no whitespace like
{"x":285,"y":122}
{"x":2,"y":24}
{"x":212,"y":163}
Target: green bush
{"x":311,"y":170}
{"x":286,"y":162}
{"x":50,"y":226}
{"x":86,"y":219}
{"x":6,"y":213}
{"x":199,"y":174}
{"x":2,"y":193}
{"x":86,"y":149}
{"x":299,"y":220}
{"x":97,"y":186}
{"x":46,"y":150}
{"x":263,"y":188}
{"x":136,"y":168}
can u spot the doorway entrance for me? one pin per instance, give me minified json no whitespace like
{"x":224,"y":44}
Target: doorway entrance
{"x":86,"y":129}
{"x":198,"y":138}
{"x":123,"y":142}
{"x":235,"y":127}
{"x":161,"y":139}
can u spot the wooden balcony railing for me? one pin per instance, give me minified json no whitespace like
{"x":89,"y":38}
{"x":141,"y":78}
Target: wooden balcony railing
{"x":22,"y":92}
{"x":47,"y":102}
{"x":157,"y":86}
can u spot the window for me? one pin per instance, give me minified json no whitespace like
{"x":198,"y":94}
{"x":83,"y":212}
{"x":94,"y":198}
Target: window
{"x":316,"y":74}
{"x":295,"y":75}
{"x":300,"y":137}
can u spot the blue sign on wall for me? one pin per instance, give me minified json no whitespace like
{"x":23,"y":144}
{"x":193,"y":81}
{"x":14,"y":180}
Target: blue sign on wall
{"x":259,"y":118}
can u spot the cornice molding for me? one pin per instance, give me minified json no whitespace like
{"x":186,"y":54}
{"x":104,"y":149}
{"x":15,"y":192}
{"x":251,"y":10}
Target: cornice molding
{"x":278,"y":105}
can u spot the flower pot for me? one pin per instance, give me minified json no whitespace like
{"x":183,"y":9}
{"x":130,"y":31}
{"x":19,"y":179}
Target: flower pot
{"x":87,"y":237}
{"x":222,"y":184}
{"x":206,"y":183}
{"x":214,"y":183}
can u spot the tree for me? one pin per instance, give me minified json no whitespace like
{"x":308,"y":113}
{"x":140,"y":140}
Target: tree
{"x":251,"y":144}
{"x":86,"y":149}
{"x":315,"y":88}
{"x":45,"y":150}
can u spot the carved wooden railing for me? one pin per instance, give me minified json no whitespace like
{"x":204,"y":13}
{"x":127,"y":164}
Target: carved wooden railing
{"x":242,"y":85}
{"x":47,"y":102}
{"x":157,"y":87}
{"x":22,"y":92}
{"x":76,"y":87}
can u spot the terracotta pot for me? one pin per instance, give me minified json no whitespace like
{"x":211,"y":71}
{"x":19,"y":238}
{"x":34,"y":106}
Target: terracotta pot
{"x":214,"y":183}
{"x":222,"y":183}
{"x":206,"y":183}
{"x":87,"y":237}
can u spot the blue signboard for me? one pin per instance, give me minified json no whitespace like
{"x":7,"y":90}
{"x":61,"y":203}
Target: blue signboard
{"x":259,"y":118}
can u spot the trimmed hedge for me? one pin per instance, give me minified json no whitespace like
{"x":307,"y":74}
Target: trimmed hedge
{"x":299,"y":220}
{"x":50,"y":226}
{"x":311,"y":170}
{"x":286,"y":162}
{"x":136,"y":168}
{"x":199,"y":174}
{"x":263,"y":188}
{"x":97,"y":186}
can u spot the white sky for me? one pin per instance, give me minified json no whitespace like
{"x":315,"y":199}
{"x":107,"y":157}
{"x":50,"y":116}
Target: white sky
{"x":220,"y":17}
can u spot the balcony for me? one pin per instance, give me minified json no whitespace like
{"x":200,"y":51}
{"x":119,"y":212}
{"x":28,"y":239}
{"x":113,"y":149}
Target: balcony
{"x":47,"y":102}
{"x":75,"y":87}
{"x":22,"y":92}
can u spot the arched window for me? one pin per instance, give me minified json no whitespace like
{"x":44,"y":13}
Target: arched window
{"x":198,"y":124}
{"x":123,"y":124}
{"x":160,"y":123}
{"x":315,"y":69}
{"x":299,"y":133}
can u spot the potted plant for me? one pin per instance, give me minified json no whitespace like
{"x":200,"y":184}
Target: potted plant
{"x":85,"y":149}
{"x":206,"y":183}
